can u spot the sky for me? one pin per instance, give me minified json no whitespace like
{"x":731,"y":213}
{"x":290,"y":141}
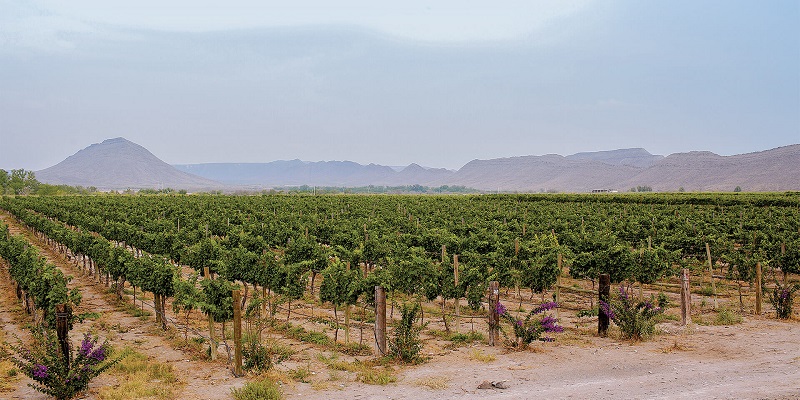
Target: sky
{"x":437,"y":83}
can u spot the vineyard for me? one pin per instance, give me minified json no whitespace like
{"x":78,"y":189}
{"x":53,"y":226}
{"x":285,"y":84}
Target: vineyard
{"x":305,"y":267}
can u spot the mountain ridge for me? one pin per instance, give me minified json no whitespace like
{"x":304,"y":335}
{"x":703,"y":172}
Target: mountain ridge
{"x":119,"y":164}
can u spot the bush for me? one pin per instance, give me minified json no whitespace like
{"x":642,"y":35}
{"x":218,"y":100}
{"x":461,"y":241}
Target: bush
{"x":534,"y":325}
{"x":259,"y":357}
{"x":259,"y":390}
{"x":55,"y":376}
{"x":636,"y":320}
{"x":782,"y":298}
{"x":406,"y":344}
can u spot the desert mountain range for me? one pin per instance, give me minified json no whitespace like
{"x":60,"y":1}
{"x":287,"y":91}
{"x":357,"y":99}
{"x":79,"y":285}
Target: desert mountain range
{"x":117,"y":164}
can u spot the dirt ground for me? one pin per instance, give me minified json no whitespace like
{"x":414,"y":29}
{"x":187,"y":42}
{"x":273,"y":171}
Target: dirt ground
{"x":757,"y":359}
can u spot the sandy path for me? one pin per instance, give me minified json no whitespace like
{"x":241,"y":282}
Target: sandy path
{"x":758,"y":359}
{"x":202,"y":380}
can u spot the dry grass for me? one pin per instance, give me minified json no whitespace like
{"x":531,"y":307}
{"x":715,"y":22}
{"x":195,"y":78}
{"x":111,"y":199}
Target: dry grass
{"x":141,"y":378}
{"x":433,"y":382}
{"x":479,"y":355}
{"x":676,"y":346}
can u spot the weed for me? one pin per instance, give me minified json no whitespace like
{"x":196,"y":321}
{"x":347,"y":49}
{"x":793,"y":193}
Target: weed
{"x":479,"y":355}
{"x":433,"y":382}
{"x":264,"y":389}
{"x":726,"y":316}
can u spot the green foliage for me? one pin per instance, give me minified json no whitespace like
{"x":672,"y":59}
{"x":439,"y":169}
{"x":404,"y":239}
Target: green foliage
{"x":217,"y":299}
{"x":264,"y":389}
{"x":406,"y":345}
{"x":636,"y":319}
{"x":259,"y":357}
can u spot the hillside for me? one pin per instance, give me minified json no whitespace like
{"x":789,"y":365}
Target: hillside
{"x":118,"y":164}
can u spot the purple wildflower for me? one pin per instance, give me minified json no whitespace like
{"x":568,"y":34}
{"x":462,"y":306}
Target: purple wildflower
{"x":605,"y":308}
{"x":500,"y":308}
{"x":86,"y":346}
{"x":549,"y":325}
{"x":40,"y":371}
{"x":623,"y":294}
{"x":99,"y":354}
{"x":545,"y":307}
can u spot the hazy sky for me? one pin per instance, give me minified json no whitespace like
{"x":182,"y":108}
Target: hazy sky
{"x":438,"y":83}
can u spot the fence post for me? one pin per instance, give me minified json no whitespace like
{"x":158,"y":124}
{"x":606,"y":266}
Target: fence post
{"x":62,"y":330}
{"x":711,"y":272}
{"x":347,"y":314}
{"x":558,"y":289}
{"x":494,"y":318}
{"x":603,"y":293}
{"x":211,"y":342}
{"x":237,"y":333}
{"x":758,"y":288}
{"x":686,"y":298}
{"x":380,"y":319}
{"x":457,"y":308}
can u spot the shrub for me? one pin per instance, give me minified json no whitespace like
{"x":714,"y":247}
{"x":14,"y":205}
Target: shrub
{"x":259,"y":357}
{"x":55,"y":376}
{"x":259,"y":390}
{"x":406,"y":344}
{"x":781,"y":298}
{"x":636,"y":320}
{"x":535,"y":324}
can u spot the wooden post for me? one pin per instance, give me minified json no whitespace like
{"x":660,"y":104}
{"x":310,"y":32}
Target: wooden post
{"x":711,"y":272}
{"x":686,"y":298}
{"x":758,"y":288}
{"x":604,"y":293}
{"x":211,"y":342}
{"x":62,"y":330}
{"x":347,"y":315}
{"x":783,"y":267}
{"x":516,"y":247}
{"x":237,"y":333}
{"x":455,"y":277}
{"x":444,"y":253}
{"x":558,"y":289}
{"x":380,"y":319}
{"x":494,"y":318}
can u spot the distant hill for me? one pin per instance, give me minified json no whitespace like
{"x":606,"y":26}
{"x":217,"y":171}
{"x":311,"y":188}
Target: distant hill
{"x":121,"y":164}
{"x":118,"y":164}
{"x":771,"y":170}
{"x":321,"y":173}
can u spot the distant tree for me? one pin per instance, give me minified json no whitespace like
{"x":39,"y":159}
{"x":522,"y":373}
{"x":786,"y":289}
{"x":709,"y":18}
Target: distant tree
{"x":737,"y":189}
{"x":22,"y":182}
{"x":4,"y":178}
{"x":681,"y":189}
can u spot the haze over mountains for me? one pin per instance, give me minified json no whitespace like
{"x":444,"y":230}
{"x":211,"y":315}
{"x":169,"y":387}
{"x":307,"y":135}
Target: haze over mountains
{"x":119,"y":164}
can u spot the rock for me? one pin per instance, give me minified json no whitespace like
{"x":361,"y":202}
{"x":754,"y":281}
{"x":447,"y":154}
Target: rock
{"x":501,"y":385}
{"x":485,"y":385}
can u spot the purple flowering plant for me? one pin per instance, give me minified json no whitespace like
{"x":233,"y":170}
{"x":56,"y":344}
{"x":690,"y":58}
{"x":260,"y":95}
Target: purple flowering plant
{"x":781,"y":298}
{"x":52,"y":374}
{"x":636,"y":319}
{"x":533,"y":327}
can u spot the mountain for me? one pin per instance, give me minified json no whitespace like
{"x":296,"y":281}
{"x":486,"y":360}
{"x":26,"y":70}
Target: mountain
{"x":321,"y":173}
{"x":540,"y":173}
{"x":638,"y":157}
{"x":118,"y":164}
{"x":771,"y":170}
{"x":121,"y":164}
